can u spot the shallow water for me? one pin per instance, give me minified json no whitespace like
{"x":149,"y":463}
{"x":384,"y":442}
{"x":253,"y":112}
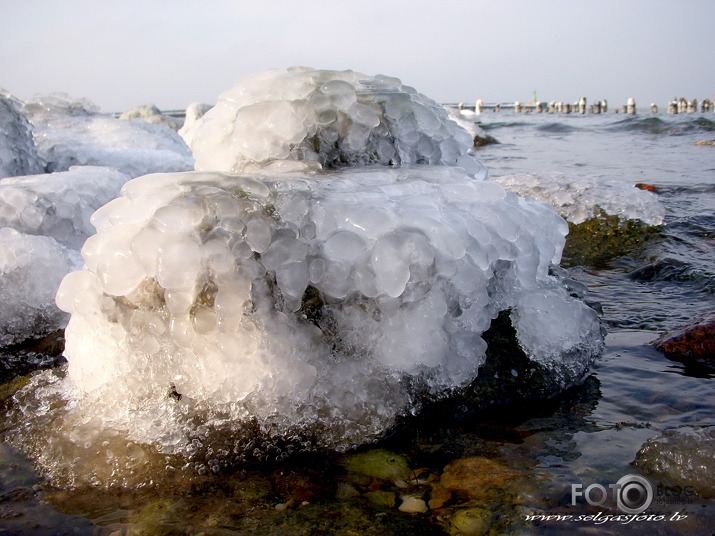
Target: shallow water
{"x":534,"y":453}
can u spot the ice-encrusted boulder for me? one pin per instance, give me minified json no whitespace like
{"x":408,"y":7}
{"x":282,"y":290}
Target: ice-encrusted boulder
{"x":58,"y":205}
{"x":331,"y":301}
{"x":151,"y":114}
{"x":72,"y":132}
{"x":684,"y":457}
{"x":478,"y":134}
{"x":18,"y":154}
{"x":194,"y":112}
{"x":579,"y":198}
{"x":327,"y":119}
{"x":331,"y":265}
{"x":44,"y":220}
{"x":31,"y":269}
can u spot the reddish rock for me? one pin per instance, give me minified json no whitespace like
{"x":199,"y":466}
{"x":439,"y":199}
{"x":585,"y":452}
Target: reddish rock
{"x":692,"y":344}
{"x":647,"y":187}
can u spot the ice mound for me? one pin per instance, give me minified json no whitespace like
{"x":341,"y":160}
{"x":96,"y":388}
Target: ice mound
{"x":151,"y":114}
{"x":31,"y":268}
{"x":328,"y":119}
{"x":478,"y":134}
{"x":72,"y":132}
{"x":581,"y":198}
{"x":194,"y":112}
{"x":323,"y":303}
{"x":58,"y":205}
{"x":45,"y":220}
{"x":18,"y":154}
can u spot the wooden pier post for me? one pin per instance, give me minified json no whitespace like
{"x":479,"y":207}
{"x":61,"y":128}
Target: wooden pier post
{"x":582,"y":105}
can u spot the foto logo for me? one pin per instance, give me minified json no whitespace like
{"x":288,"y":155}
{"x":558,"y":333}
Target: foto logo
{"x":633,"y":494}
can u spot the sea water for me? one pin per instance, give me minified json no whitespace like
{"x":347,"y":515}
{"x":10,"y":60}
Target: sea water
{"x":589,"y":435}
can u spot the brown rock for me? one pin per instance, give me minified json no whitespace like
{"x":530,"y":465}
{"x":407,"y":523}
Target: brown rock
{"x":477,"y":478}
{"x":692,"y":344}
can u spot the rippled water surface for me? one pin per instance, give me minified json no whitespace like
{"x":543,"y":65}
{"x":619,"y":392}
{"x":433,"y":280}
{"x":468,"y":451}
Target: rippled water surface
{"x":535,"y":454}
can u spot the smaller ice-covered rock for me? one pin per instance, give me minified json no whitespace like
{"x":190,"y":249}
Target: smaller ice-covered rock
{"x":684,"y":456}
{"x":31,"y":269}
{"x":479,"y":135}
{"x":151,"y":114}
{"x":72,"y":132}
{"x":58,"y":205}
{"x":194,"y":112}
{"x":579,"y":198}
{"x":18,"y":154}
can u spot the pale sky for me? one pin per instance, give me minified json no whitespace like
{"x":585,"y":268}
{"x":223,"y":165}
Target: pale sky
{"x":124,"y":53}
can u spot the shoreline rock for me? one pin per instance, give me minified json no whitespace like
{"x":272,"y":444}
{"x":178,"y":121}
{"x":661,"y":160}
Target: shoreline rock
{"x":692,"y":344}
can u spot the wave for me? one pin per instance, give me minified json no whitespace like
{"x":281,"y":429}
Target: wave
{"x":674,"y":271}
{"x":503,"y":124}
{"x":556,"y":128}
{"x":658,"y":126}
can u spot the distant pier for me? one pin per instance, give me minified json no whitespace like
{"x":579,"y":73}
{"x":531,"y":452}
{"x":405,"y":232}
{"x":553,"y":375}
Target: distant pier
{"x":581,"y":106}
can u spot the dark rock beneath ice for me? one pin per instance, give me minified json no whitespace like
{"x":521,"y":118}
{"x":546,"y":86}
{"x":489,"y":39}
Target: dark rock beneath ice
{"x":508,"y":375}
{"x":692,"y":344}
{"x":603,"y":238}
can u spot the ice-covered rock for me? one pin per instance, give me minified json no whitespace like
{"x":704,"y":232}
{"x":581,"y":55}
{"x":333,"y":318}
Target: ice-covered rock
{"x":194,"y":112}
{"x":60,"y":204}
{"x":328,"y":119}
{"x":684,"y":457}
{"x":340,"y":273}
{"x":45,"y":220}
{"x":31,"y":268}
{"x":478,"y":134}
{"x":18,"y":154}
{"x":579,"y":198}
{"x":151,"y":114}
{"x":72,"y":132}
{"x":327,"y":302}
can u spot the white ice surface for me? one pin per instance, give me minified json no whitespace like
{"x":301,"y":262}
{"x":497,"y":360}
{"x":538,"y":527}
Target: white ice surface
{"x":70,"y":133}
{"x":579,"y":198}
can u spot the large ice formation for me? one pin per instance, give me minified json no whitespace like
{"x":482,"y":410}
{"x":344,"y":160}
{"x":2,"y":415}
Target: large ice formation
{"x":72,"y":132}
{"x":293,"y":298}
{"x":44,"y":220}
{"x":579,"y":198}
{"x":18,"y":154}
{"x":329,"y":119}
{"x":338,"y":270}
